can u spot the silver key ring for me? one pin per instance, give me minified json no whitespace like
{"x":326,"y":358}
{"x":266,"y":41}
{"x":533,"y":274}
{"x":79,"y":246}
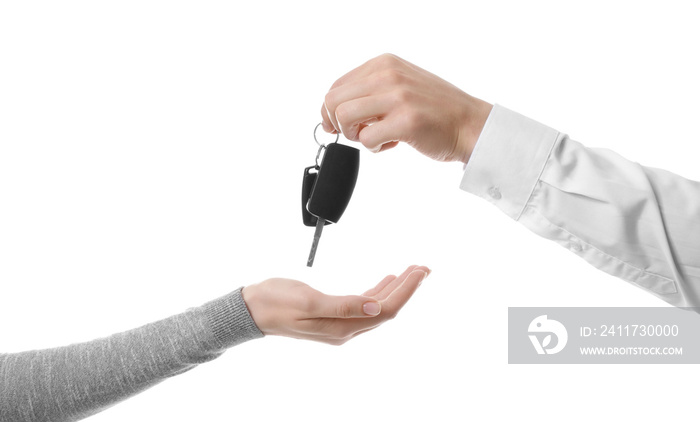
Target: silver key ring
{"x":337,"y":136}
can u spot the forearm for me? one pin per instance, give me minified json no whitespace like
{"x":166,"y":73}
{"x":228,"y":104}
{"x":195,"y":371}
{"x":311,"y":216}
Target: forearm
{"x":72,"y":382}
{"x":634,"y":222}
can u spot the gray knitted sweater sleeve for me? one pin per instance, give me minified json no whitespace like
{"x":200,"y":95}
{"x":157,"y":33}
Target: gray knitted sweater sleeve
{"x":73,"y":382}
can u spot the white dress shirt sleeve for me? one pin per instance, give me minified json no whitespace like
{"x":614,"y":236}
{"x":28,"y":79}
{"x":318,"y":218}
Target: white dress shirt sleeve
{"x":637,"y":223}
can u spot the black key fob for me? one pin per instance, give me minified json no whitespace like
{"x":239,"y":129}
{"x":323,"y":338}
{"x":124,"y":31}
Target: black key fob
{"x":333,"y":185}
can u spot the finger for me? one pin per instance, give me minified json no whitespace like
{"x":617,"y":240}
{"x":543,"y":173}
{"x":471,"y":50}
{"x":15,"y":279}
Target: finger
{"x":337,"y":328}
{"x":351,"y":114}
{"x":385,"y":63}
{"x":332,"y":119}
{"x":398,"y":298}
{"x":345,"y":307}
{"x":390,"y":287}
{"x":330,"y":104}
{"x":326,"y":121}
{"x":388,"y":146}
{"x":378,"y":288}
{"x":388,"y":130}
{"x":343,"y":328}
{"x":364,"y":87}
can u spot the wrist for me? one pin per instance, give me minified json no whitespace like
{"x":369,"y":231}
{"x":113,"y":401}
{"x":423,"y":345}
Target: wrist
{"x":230,"y":320}
{"x":472,"y":124}
{"x":252,"y":302}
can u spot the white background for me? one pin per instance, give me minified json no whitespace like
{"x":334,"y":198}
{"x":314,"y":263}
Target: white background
{"x":151,"y":156}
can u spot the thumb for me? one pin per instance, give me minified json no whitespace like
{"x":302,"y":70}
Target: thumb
{"x":348,"y":307}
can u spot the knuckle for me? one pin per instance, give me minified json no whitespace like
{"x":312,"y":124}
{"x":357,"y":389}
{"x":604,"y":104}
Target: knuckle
{"x":387,"y":59}
{"x":339,"y":82}
{"x":403,"y":95}
{"x":391,"y":76}
{"x":344,"y":310}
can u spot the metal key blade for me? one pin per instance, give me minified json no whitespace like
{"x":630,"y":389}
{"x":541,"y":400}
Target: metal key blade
{"x":314,"y":245}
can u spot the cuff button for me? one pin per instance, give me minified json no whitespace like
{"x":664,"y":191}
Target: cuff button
{"x":494,"y":192}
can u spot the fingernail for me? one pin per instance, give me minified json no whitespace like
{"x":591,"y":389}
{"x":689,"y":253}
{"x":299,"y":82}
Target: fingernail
{"x":337,"y":128}
{"x":372,"y":308}
{"x":328,"y":113}
{"x":425,"y":275}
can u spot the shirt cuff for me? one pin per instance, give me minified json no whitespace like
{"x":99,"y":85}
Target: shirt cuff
{"x":508,"y":159}
{"x":230,"y":320}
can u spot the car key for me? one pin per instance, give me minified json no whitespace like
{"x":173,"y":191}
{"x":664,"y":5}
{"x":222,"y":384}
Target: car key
{"x":326,"y":193}
{"x":333,"y":187}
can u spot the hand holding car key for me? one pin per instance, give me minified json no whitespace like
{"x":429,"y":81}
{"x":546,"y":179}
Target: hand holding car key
{"x":326,"y":193}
